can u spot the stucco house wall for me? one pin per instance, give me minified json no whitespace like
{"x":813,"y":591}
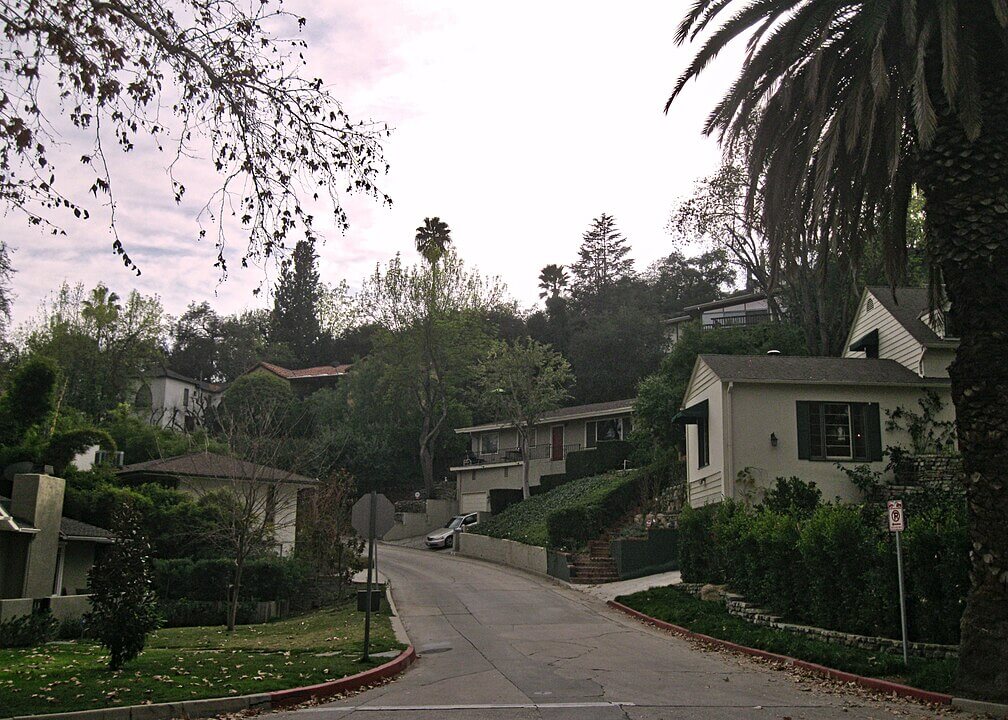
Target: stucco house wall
{"x":78,"y":557}
{"x":39,"y":500}
{"x":757,"y":410}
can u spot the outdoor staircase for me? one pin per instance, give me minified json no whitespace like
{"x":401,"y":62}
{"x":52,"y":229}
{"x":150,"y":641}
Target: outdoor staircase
{"x":595,"y":567}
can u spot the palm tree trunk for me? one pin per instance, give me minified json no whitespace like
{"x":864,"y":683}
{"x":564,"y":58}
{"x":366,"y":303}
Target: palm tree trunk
{"x":966,"y":190}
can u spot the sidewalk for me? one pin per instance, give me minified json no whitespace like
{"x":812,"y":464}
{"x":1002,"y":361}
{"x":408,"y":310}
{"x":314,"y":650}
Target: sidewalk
{"x":610,"y":591}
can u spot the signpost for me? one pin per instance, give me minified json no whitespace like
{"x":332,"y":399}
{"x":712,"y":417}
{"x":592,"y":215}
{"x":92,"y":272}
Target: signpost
{"x":372,"y":515}
{"x":897,"y":524}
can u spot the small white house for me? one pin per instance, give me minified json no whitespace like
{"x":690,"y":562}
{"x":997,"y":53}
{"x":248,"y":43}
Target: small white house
{"x":173,"y":400}
{"x":752,"y":419}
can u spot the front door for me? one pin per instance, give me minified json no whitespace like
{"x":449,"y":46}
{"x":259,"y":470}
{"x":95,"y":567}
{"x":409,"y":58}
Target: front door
{"x":556,"y":446}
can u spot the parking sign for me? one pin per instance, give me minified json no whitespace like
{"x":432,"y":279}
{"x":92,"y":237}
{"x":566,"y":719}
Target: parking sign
{"x":897,"y":522}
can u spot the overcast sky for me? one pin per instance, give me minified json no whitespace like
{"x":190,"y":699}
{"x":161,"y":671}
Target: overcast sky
{"x":516,"y":123}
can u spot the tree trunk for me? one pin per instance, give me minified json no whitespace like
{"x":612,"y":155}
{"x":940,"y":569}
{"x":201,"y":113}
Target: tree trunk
{"x":426,"y":457}
{"x":526,"y":466}
{"x":232,"y":616}
{"x":966,"y":190}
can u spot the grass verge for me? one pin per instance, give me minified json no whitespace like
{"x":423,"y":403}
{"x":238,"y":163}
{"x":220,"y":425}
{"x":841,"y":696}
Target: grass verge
{"x":526,"y":521}
{"x":192,"y":663}
{"x":710,"y":618}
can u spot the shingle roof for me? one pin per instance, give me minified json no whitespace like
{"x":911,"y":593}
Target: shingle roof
{"x":212,"y":465}
{"x":907,"y":307}
{"x":813,"y":370}
{"x":77,"y":529}
{"x":201,"y":384}
{"x":302,"y":373}
{"x":568,"y":413}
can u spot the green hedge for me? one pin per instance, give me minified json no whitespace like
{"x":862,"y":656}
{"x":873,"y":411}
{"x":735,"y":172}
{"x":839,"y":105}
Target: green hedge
{"x":263,"y":579}
{"x":542,"y":519}
{"x":836,"y":568}
{"x":606,"y":456}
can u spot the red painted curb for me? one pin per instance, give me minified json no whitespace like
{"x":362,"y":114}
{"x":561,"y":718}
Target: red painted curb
{"x":294,"y":696}
{"x":885,"y":686}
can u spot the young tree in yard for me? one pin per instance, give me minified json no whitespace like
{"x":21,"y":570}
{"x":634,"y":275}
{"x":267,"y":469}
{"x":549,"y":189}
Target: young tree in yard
{"x":432,"y":313}
{"x":188,"y":78}
{"x":123,"y":603}
{"x":325,"y":538}
{"x":602,"y":260}
{"x":855,"y":104}
{"x":295,"y":320}
{"x":523,"y":381}
{"x":256,"y":420}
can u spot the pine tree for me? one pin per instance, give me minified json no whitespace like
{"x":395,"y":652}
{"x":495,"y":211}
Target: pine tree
{"x":602,"y":260}
{"x":295,"y":320}
{"x":123,"y":603}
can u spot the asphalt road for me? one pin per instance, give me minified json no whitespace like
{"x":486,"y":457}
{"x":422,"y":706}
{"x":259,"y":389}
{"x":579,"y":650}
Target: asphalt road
{"x":499,"y":644}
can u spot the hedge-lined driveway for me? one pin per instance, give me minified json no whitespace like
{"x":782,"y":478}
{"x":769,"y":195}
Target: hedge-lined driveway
{"x":498,"y":644}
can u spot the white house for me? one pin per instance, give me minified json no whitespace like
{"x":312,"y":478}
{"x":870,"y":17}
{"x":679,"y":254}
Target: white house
{"x":738,"y":310}
{"x":173,"y":400}
{"x":751,"y":419}
{"x":268,"y":493}
{"x":494,"y":459}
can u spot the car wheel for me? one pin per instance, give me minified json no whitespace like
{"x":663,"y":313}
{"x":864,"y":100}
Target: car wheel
{"x":448,"y":541}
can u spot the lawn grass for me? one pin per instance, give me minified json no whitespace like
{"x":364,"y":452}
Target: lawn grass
{"x":525,"y":521}
{"x":676,"y":606}
{"x":191,"y":663}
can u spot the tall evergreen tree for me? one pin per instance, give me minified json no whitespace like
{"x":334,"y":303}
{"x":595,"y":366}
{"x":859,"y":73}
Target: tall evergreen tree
{"x":602,"y":259}
{"x":295,"y":321}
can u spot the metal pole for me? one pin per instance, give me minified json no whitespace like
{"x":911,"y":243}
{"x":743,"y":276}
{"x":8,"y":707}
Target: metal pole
{"x":903,"y":623}
{"x":370,"y":560}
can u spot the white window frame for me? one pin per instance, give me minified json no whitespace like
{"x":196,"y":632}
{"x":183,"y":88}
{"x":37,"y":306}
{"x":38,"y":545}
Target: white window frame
{"x":619,"y":424}
{"x":482,"y":436}
{"x":850,"y":432}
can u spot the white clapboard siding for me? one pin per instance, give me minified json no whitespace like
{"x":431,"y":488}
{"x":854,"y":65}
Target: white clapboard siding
{"x":706,"y":491}
{"x":895,"y":343}
{"x":703,"y":378}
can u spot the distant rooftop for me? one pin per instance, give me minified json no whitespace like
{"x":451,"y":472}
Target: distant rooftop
{"x":213,"y":465}
{"x":575,"y":412}
{"x":908,"y":305}
{"x":317,"y":371}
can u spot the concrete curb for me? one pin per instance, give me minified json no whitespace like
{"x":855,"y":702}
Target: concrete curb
{"x":211,"y":707}
{"x":884,"y":686}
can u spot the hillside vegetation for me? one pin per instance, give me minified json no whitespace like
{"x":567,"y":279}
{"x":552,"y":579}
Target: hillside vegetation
{"x":569,"y":515}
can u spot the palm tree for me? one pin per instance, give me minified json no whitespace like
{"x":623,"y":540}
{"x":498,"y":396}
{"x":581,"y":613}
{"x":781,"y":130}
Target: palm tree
{"x":552,"y":280}
{"x":433,"y":239}
{"x":855,"y":103}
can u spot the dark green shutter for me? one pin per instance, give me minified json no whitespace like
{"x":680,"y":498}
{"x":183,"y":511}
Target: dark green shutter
{"x":804,"y":442}
{"x":873,"y":432}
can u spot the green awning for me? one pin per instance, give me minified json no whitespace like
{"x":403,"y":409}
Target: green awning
{"x":692,"y":415}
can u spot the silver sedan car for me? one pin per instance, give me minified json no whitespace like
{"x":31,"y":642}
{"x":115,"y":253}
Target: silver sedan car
{"x":444,"y":537}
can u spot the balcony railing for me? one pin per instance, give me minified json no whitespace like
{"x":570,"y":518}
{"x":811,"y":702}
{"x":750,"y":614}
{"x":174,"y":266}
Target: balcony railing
{"x":754,"y":318}
{"x":536,"y":452}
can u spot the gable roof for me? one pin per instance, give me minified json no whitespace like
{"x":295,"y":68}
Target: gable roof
{"x":213,"y":465}
{"x":814,"y":370}
{"x":71,"y":529}
{"x":907,"y":305}
{"x":300,"y":374}
{"x":736,"y":299}
{"x":201,"y":384}
{"x":575,"y":412}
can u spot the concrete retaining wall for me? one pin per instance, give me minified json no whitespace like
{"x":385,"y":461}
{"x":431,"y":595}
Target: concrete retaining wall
{"x":504,"y":552}
{"x":61,"y":606}
{"x":414,"y":524}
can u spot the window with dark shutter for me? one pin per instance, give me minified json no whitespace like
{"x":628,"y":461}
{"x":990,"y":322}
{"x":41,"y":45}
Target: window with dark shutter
{"x":703,"y":443}
{"x":838,"y":431}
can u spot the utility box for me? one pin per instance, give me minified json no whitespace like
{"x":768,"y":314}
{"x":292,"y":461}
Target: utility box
{"x":362,"y":599}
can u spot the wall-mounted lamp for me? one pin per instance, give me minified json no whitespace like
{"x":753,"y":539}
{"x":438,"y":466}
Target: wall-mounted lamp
{"x":773,"y":440}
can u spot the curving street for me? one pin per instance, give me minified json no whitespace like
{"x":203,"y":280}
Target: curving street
{"x":499,"y":644}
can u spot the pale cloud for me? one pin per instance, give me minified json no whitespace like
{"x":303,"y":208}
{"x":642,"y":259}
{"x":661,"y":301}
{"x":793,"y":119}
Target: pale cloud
{"x":516,"y":123}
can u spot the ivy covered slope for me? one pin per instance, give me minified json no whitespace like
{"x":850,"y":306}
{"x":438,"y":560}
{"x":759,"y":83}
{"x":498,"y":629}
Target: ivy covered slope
{"x":569,"y":515}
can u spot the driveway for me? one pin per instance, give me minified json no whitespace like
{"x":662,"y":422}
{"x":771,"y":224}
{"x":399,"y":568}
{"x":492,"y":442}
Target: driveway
{"x":498,"y":644}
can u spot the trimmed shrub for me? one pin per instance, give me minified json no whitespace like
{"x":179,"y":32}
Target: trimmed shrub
{"x":263,"y":579}
{"x":835,"y":568}
{"x":791,"y":495}
{"x":606,"y":456}
{"x":553,"y":481}
{"x":573,"y":526}
{"x":27,"y":630}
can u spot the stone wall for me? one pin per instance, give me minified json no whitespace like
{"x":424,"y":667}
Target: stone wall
{"x":738,"y":606}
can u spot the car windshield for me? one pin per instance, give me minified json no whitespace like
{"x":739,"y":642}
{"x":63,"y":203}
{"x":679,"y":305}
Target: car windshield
{"x":455,"y":522}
